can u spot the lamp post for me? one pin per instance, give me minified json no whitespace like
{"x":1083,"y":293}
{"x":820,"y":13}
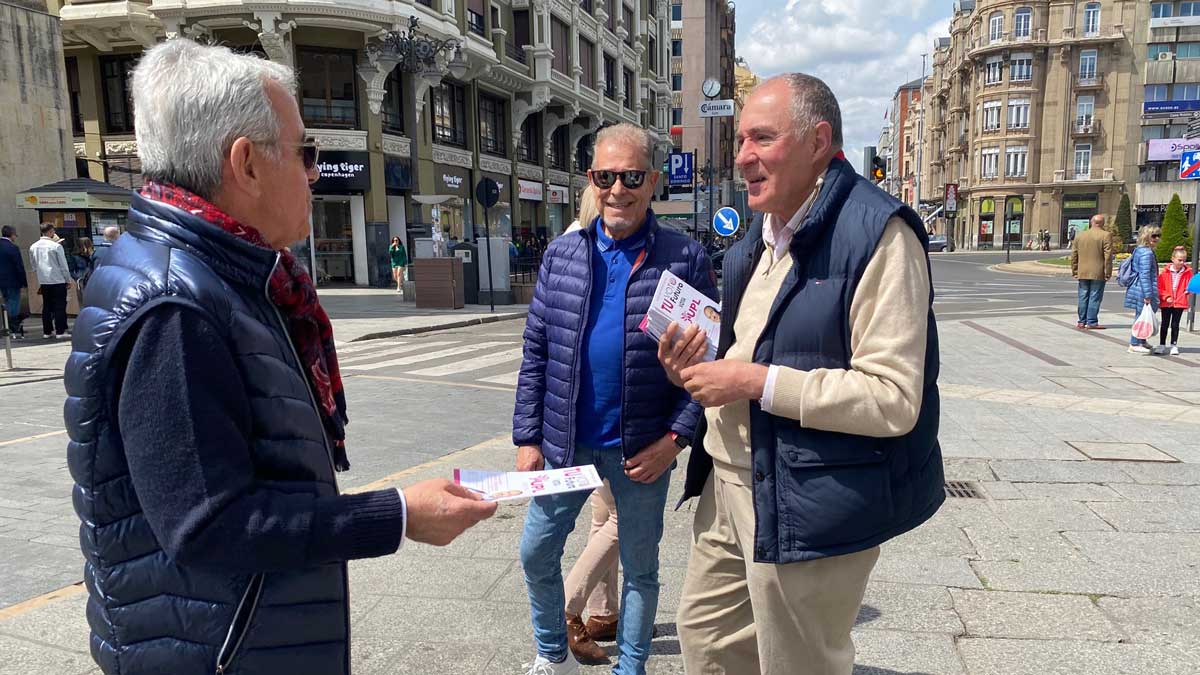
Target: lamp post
{"x":420,"y":56}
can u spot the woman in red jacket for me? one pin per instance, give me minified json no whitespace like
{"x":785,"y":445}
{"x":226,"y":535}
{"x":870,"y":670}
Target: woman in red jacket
{"x":1173,"y":298}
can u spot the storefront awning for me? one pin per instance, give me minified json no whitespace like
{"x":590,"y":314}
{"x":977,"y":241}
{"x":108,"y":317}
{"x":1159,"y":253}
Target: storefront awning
{"x":75,"y":193}
{"x":433,"y":199}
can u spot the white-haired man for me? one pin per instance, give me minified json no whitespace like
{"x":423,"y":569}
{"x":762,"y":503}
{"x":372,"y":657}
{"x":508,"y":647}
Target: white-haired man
{"x":820,"y":433}
{"x":591,"y":391}
{"x":205,"y":408}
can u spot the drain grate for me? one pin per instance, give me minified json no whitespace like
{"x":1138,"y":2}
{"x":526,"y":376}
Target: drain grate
{"x":962,"y":489}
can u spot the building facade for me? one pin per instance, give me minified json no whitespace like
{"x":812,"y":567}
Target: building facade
{"x":1030,"y":117}
{"x":903,"y":137}
{"x":517,"y":97}
{"x":1167,"y":50}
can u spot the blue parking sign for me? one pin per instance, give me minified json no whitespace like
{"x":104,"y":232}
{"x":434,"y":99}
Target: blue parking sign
{"x":1189,"y":165}
{"x":726,"y":221}
{"x":679,"y":168}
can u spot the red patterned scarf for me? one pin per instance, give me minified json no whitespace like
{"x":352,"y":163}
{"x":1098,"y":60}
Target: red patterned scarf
{"x":292,"y":291}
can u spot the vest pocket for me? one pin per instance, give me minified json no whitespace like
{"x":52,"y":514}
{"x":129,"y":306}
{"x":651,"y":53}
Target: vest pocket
{"x":242,"y":617}
{"x":833,"y":490}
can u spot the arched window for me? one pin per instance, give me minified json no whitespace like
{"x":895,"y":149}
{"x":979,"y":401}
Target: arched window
{"x":996,"y":27}
{"x":1091,"y":19}
{"x":1023,"y":23}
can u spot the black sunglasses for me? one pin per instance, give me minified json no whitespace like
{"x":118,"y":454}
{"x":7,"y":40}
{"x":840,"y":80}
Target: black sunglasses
{"x":308,"y":152}
{"x":604,"y":179}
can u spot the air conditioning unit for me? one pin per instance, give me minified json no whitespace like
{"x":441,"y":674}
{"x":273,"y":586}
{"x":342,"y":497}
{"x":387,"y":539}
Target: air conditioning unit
{"x":1166,"y":56}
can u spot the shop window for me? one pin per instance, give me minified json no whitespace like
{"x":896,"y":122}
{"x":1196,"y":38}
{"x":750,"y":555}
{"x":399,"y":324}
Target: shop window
{"x":492,"y":126}
{"x":328,"y":87}
{"x":118,"y":106}
{"x":583,"y":153}
{"x":558,"y":148}
{"x":393,"y":104}
{"x":333,"y":241}
{"x":449,"y":118}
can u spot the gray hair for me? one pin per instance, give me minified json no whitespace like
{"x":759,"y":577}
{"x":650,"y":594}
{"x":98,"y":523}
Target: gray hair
{"x":813,"y":102}
{"x":192,"y":101}
{"x":628,"y":134}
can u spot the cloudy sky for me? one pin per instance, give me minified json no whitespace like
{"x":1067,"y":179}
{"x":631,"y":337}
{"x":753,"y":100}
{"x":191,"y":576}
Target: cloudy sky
{"x":863,"y":49}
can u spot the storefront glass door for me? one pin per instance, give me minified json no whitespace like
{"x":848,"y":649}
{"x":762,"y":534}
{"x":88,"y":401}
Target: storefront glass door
{"x":333,"y":241}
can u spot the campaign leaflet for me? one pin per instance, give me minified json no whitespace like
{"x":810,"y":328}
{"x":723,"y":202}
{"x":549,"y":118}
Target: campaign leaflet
{"x":674,"y":300}
{"x":502,"y":486}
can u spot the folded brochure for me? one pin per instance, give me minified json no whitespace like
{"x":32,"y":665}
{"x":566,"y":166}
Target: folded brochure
{"x":501,"y":486}
{"x":675,"y":300}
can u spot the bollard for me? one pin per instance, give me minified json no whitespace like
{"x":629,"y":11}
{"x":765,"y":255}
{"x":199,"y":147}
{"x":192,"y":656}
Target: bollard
{"x":7,"y":338}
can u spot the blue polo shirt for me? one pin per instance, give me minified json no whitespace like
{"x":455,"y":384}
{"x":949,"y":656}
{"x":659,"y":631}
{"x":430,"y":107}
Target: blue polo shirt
{"x":603,"y":357}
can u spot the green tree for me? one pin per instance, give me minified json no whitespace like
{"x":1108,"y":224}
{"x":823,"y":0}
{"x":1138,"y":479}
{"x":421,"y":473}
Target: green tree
{"x":1175,"y":231}
{"x":1124,"y":231}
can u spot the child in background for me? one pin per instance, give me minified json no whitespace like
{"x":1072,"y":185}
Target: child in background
{"x":1173,"y":298}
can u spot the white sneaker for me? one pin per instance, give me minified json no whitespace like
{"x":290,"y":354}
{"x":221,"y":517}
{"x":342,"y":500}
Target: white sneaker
{"x":543,"y":666}
{"x":1139,"y":349}
{"x":47,"y":336}
{"x":1160,"y":350}
{"x":1174,"y":350}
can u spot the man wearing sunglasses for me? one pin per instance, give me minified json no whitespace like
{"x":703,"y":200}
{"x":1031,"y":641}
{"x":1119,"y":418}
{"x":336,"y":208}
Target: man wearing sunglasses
{"x":205,"y":409}
{"x":591,"y":391}
{"x":819,"y":440}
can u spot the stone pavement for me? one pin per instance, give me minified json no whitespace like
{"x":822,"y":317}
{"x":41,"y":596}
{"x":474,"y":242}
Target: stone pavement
{"x":1075,"y":548}
{"x":1034,"y":267}
{"x":357,"y":314}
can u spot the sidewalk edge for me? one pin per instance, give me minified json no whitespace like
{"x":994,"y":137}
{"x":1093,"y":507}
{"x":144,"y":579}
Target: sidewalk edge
{"x":441,"y":326}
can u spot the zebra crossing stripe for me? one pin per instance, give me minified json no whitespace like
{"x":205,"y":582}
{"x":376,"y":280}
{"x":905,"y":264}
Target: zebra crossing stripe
{"x":507,"y":378}
{"x":367,"y":356}
{"x":427,"y":356}
{"x":477,"y":363}
{"x":352,"y":347}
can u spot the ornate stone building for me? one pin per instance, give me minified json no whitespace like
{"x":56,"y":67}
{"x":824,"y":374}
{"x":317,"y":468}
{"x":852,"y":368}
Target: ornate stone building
{"x":1029,"y":114}
{"x":517,"y":97}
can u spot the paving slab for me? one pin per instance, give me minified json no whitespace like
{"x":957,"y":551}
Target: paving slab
{"x":1159,"y":550}
{"x":1019,"y":545}
{"x":1033,"y":616}
{"x":1149,"y":516}
{"x":882,"y":652}
{"x":1047,"y":515}
{"x":1166,"y":621}
{"x":998,"y":489}
{"x":1122,"y":452}
{"x":1086,"y":578}
{"x":929,"y":570}
{"x":936,"y":537}
{"x":967,"y":469}
{"x":41,"y":658}
{"x":1160,"y":474}
{"x":1076,"y":492}
{"x":908,"y":607}
{"x":1034,"y":471}
{"x":1062,"y":657}
{"x":1137,"y":492}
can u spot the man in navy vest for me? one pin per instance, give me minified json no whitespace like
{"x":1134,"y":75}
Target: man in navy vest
{"x":591,"y":391}
{"x":204,"y":405}
{"x":819,"y":441}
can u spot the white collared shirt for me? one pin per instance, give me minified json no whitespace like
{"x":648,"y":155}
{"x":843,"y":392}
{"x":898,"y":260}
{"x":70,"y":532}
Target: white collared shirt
{"x":780,"y":242}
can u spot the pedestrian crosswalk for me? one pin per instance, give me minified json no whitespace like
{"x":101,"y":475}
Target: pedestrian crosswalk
{"x":491,"y":361}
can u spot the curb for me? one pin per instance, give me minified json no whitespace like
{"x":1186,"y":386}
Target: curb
{"x":1023,"y":269}
{"x":441,"y":326}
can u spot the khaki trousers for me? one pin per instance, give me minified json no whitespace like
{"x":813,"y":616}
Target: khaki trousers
{"x":739,"y":617}
{"x":593,"y":579}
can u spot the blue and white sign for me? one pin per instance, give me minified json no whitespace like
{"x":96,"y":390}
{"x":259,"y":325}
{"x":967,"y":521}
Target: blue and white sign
{"x":1189,"y":165}
{"x":726,"y":222}
{"x":679,"y":168}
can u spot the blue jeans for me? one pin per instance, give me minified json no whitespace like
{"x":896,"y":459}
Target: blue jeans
{"x":1091,"y":292}
{"x":551,"y":519}
{"x":12,"y":304}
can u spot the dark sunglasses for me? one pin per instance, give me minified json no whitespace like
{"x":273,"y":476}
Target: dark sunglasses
{"x":308,"y":152}
{"x":604,"y":179}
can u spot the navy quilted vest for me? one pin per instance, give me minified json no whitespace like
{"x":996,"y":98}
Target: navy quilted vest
{"x":820,"y":493}
{"x":147,"y":612}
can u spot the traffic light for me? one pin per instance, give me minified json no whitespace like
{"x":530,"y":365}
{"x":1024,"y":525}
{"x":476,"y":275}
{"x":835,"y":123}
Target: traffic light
{"x":878,"y":169}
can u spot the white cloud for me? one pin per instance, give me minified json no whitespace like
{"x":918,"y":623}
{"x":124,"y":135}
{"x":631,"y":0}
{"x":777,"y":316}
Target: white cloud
{"x":863,"y":49}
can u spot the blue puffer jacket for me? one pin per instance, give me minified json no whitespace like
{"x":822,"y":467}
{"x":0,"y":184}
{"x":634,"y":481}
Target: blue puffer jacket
{"x":547,"y":390}
{"x":1145,"y":263}
{"x":150,"y":612}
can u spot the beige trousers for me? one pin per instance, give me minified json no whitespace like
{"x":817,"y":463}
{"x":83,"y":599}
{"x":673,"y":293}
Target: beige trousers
{"x":593,"y":579}
{"x":739,"y":617}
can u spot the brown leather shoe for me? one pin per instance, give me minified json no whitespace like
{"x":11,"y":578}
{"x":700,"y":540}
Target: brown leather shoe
{"x":602,"y":628}
{"x":582,"y":645}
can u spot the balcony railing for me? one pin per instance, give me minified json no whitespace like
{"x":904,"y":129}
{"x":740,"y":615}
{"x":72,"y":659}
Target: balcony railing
{"x":1085,"y":126}
{"x":1089,"y":81}
{"x":514,"y":52}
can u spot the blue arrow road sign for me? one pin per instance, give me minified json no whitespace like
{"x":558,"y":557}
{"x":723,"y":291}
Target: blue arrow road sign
{"x":726,"y":221}
{"x":1189,"y":165}
{"x":679,"y":168}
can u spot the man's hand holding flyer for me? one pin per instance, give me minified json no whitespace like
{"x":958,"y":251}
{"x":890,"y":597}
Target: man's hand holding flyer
{"x":502,"y":486}
{"x":674,"y":300}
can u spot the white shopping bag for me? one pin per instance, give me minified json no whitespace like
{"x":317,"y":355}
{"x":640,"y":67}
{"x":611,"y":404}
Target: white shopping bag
{"x":1146,"y":324}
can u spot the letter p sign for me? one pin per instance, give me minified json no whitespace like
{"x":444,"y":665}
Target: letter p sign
{"x":680,"y":168}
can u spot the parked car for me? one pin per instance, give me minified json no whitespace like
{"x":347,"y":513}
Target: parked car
{"x":717,"y":259}
{"x":937,"y":243}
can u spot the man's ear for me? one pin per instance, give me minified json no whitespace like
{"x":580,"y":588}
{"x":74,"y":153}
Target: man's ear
{"x":822,"y":140}
{"x":245,"y":163}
